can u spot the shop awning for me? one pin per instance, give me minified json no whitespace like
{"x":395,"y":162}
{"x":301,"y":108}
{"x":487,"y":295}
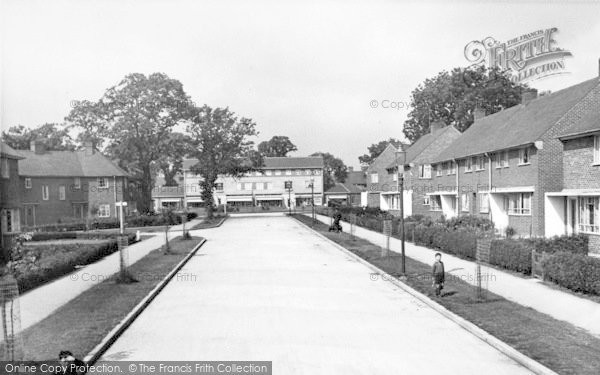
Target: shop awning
{"x":269,"y":198}
{"x":245,"y":198}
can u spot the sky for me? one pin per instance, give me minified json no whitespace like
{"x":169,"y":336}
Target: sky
{"x":309,"y":70}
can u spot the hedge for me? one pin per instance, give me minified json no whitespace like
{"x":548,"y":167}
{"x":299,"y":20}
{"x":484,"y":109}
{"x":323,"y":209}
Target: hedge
{"x":577,"y":272}
{"x":514,"y":255}
{"x":577,"y":244}
{"x":37,"y":265}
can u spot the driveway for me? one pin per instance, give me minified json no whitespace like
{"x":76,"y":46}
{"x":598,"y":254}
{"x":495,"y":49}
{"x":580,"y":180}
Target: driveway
{"x":267,"y":288}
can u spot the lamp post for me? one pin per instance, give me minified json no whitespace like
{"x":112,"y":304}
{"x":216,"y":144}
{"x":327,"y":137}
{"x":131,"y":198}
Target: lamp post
{"x":312,"y":195}
{"x":400,"y":161}
{"x":288,"y":186}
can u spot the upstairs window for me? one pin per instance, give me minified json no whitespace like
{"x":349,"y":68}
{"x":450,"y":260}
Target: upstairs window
{"x":468,"y":165}
{"x":524,"y":156}
{"x":480,"y":163}
{"x":439,"y":171}
{"x":77,"y":183}
{"x":45,"y":192}
{"x":277,"y":172}
{"x":28,"y":183}
{"x":102,"y":183}
{"x":62,"y":192}
{"x":219,"y":186}
{"x":425,"y":171}
{"x":374,"y":178}
{"x":452,"y":167}
{"x":597,"y":149}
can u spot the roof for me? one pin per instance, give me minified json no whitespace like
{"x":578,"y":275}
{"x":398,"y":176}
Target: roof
{"x":8,"y":152}
{"x":68,"y":164}
{"x":345,"y":188}
{"x":430,"y":145}
{"x":356,"y":178}
{"x":284,"y":162}
{"x":588,"y":123}
{"x":516,"y":126}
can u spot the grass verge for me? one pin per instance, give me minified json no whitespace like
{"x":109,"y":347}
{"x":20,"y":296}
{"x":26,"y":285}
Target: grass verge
{"x":210,"y":223}
{"x":558,"y":345}
{"x":83,"y":322}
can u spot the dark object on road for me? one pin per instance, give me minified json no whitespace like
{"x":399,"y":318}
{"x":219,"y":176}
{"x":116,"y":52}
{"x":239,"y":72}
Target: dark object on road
{"x":438,"y":274}
{"x":336,"y":226}
{"x":70,"y":364}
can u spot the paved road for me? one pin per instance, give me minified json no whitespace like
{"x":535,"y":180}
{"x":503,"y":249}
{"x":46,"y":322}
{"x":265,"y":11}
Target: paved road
{"x":267,"y":288}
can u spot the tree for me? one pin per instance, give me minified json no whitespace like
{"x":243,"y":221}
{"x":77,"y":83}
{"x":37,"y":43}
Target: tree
{"x":136,"y":118}
{"x":376,"y":149}
{"x":177,"y":146}
{"x":222,"y":147}
{"x":334,"y":169}
{"x":277,"y":146}
{"x":453,"y":97}
{"x":53,"y":136}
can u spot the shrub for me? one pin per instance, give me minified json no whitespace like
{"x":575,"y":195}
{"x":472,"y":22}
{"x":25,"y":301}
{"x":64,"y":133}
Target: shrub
{"x":513,"y":255}
{"x":577,"y":272}
{"x":577,"y":244}
{"x":45,"y":236}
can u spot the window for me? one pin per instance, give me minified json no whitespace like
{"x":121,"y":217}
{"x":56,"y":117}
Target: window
{"x":4,"y":168}
{"x":519,"y":204}
{"x":439,"y":170}
{"x":104,"y":210}
{"x":452,"y":167}
{"x":219,"y":186}
{"x":426,"y":200}
{"x":484,"y":203}
{"x":240,"y":186}
{"x":501,"y":159}
{"x":597,"y":149}
{"x":10,"y":221}
{"x":298,"y":172}
{"x":374,"y":178}
{"x":102,"y":183}
{"x":589,"y":215}
{"x":28,"y":183}
{"x":268,"y":173}
{"x":268,"y":185}
{"x":464,"y":200}
{"x":435,"y":203}
{"x":260,"y":185}
{"x":524,"y":156}
{"x":62,"y":192}
{"x":277,"y":172}
{"x":307,"y":172}
{"x":77,"y":183}
{"x":425,"y":171}
{"x":317,"y":172}
{"x":288,"y":172}
{"x":45,"y":192}
{"x":469,"y":165}
{"x":480,"y":163}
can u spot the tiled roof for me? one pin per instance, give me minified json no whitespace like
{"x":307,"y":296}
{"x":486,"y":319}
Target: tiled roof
{"x":430,"y":145}
{"x":8,"y":152}
{"x":277,"y":162}
{"x":345,"y":188}
{"x":356,"y":178}
{"x":516,"y":126}
{"x":68,"y":164}
{"x":588,"y":123}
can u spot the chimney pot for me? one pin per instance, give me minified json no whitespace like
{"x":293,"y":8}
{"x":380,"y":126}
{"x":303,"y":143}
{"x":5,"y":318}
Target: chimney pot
{"x":436,"y":125}
{"x":528,"y":95}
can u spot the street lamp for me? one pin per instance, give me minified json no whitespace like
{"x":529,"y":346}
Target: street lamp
{"x":400,"y":161}
{"x":312,"y":195}
{"x":288,"y":186}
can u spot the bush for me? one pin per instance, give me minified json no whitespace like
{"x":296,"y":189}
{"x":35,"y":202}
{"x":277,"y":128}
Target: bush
{"x":45,"y":236}
{"x":512,"y":255}
{"x":577,"y":244}
{"x":577,"y":272}
{"x":461,"y":242}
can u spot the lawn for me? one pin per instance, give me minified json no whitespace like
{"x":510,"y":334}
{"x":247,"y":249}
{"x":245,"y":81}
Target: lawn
{"x":209,"y":223}
{"x":558,"y":345}
{"x":83,"y":322}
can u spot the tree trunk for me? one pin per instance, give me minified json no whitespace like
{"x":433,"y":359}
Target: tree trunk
{"x":145,"y":203}
{"x":207,"y":194}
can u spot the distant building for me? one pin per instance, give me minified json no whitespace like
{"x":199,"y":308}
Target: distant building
{"x":63,"y":186}
{"x":349,"y":192}
{"x":10,"y":192}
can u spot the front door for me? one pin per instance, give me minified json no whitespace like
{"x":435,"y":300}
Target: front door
{"x":30,"y":216}
{"x":572,"y":216}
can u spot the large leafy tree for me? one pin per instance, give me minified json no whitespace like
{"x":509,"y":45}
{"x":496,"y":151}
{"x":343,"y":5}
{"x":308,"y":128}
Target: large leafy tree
{"x":277,"y":146}
{"x":53,"y":136}
{"x":334,"y":169}
{"x":453,"y":96}
{"x":376,"y":149}
{"x":171,"y":162}
{"x":222,"y":146}
{"x":135,"y":118}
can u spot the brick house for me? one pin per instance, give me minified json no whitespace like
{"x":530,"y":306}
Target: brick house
{"x":63,"y":186}
{"x":418,"y":170}
{"x":350,"y":191}
{"x":576,"y":208}
{"x":379,"y":179}
{"x":10,"y":192}
{"x":265,"y":187}
{"x":167,"y":197}
{"x":505,"y":163}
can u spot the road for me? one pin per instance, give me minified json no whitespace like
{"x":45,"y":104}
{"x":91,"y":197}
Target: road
{"x":267,"y":288}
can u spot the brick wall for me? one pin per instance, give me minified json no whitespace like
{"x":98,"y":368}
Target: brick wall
{"x":578,"y":158}
{"x":385,"y":179}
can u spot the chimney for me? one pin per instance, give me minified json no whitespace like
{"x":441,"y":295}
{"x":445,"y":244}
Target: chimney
{"x":528,"y":95}
{"x":37,"y":146}
{"x":88,"y":147}
{"x":436,"y":125}
{"x":478,"y":113}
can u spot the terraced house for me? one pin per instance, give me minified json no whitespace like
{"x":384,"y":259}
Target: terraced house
{"x":10,"y":197}
{"x":576,"y":208}
{"x":505,"y":163}
{"x":63,"y":186}
{"x":380,"y":181}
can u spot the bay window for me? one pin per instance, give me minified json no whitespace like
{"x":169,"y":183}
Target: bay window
{"x":589,"y":214}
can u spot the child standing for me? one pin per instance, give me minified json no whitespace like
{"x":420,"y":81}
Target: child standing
{"x":438,"y":274}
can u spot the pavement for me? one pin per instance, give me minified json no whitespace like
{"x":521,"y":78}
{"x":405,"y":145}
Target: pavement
{"x":40,"y":302}
{"x":529,"y":292}
{"x":268,"y":288}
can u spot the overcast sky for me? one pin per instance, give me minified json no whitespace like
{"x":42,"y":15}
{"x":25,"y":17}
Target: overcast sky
{"x":308,"y":70}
